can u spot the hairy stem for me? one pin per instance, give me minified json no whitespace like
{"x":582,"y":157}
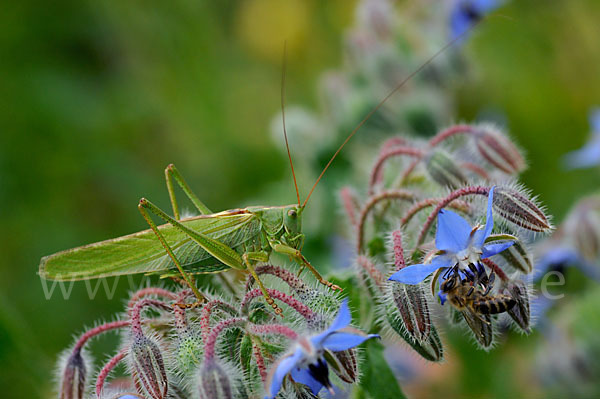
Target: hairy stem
{"x":495,"y":268}
{"x":99,"y":330}
{"x":207,"y":311}
{"x":473,"y":190}
{"x":376,"y":172}
{"x":108,"y":367}
{"x":374,"y":200}
{"x":449,"y":132}
{"x":211,"y":339}
{"x":419,"y":206}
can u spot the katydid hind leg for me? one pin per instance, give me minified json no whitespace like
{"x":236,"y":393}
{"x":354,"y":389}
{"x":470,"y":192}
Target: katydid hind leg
{"x":301,"y":260}
{"x":217,"y":249}
{"x":171,"y":173}
{"x":143,"y":210}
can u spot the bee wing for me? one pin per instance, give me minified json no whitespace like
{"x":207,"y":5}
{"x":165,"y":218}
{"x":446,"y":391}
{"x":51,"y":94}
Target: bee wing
{"x":481,"y":326}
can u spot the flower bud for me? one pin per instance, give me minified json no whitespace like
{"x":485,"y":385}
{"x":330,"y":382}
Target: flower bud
{"x":583,"y":225}
{"x":351,"y":205}
{"x":520,"y":313}
{"x":177,"y":392}
{"x":444,"y":171}
{"x":73,"y":379}
{"x":516,"y":208}
{"x":431,"y":349}
{"x":214,"y":382}
{"x":149,"y":367}
{"x":413,"y":309}
{"x":344,"y":364}
{"x":495,"y":148}
{"x":516,"y":255}
{"x":377,"y":16}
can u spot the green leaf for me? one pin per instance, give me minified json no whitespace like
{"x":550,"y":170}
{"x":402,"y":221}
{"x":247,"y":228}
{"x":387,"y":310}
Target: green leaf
{"x":378,"y":380}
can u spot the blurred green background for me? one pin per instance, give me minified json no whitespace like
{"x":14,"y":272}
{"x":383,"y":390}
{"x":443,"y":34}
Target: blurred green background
{"x":97,"y":97}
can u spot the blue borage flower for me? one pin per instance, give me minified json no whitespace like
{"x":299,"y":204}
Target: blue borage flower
{"x":559,"y":257}
{"x":588,"y":155}
{"x":306,"y":363}
{"x":465,"y":13}
{"x":459,"y":246}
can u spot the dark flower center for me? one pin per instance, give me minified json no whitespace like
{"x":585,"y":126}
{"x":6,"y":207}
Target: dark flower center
{"x":320,"y":372}
{"x":470,"y":11}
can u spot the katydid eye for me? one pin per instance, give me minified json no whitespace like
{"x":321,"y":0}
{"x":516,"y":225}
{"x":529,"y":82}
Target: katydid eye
{"x":292,"y":213}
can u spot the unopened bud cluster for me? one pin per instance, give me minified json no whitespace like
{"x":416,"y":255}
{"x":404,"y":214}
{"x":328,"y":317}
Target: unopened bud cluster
{"x":177,"y":347}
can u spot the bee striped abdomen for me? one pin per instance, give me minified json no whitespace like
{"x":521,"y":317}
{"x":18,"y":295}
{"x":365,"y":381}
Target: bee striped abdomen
{"x":494,"y":305}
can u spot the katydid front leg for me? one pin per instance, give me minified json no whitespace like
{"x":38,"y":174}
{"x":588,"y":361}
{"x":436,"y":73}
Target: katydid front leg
{"x":249,"y":258}
{"x":217,"y":249}
{"x":301,"y":260}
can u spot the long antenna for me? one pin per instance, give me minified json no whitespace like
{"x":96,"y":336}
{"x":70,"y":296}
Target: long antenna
{"x":287,"y":146}
{"x":398,"y":87}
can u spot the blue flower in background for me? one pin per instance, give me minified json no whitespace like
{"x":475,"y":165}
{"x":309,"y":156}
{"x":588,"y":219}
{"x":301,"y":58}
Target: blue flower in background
{"x":306,"y":364}
{"x":465,"y":13}
{"x":588,"y":155}
{"x":459,"y":244}
{"x":557,"y":258}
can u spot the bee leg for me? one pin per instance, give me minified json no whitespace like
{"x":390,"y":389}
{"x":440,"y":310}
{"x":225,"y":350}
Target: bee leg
{"x":471,"y":291}
{"x":484,"y":319}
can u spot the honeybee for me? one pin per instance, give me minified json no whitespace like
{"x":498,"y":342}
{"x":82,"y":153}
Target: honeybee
{"x":470,"y":294}
{"x":466,"y":295}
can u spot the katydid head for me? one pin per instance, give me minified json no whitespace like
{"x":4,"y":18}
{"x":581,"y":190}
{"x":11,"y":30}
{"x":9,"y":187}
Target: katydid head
{"x":292,"y":225}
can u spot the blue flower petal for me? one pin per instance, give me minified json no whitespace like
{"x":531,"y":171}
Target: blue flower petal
{"x":558,"y":255}
{"x":342,"y":320}
{"x":565,"y":256}
{"x":303,"y":377}
{"x":452,"y":233}
{"x":414,"y":274}
{"x":283,"y":368}
{"x":340,"y":341}
{"x":585,"y":157}
{"x":482,"y":234}
{"x":590,"y":269}
{"x":442,"y":297}
{"x":493,"y":249}
{"x":465,"y":13}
